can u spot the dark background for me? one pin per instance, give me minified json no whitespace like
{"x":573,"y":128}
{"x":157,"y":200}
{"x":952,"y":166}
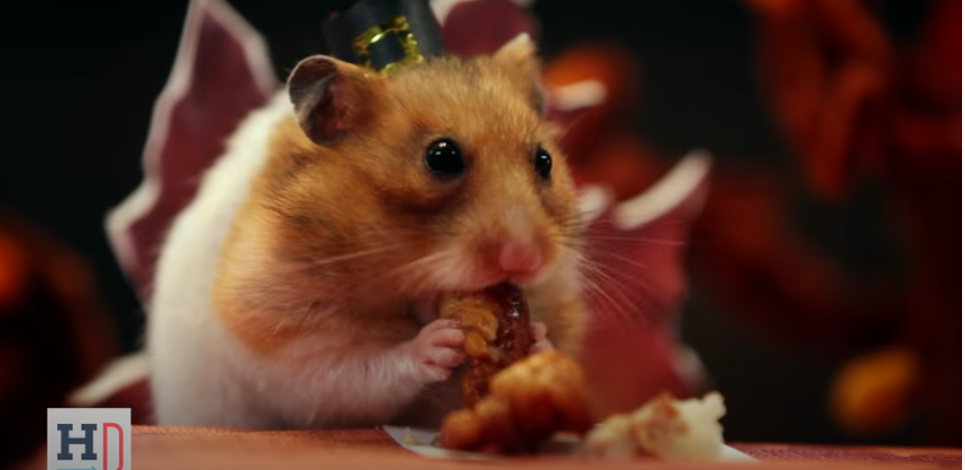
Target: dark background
{"x":86,"y":75}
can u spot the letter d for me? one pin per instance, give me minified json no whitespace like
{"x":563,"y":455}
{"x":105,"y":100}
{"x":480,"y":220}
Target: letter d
{"x":120,"y":445}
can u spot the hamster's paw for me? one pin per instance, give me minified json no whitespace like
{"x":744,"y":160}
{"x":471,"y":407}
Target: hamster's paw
{"x":540,"y":341}
{"x":437,"y":350}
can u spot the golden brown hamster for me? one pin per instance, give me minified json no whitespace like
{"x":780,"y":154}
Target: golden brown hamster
{"x":295,"y":290}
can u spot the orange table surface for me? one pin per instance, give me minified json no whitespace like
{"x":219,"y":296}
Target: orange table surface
{"x":203,"y":448}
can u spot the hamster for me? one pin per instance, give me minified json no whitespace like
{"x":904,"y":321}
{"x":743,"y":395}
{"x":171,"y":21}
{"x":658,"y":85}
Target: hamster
{"x":296,"y":290}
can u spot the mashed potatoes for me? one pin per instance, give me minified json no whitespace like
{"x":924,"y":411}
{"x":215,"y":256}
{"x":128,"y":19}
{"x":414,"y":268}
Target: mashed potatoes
{"x":663,"y":428}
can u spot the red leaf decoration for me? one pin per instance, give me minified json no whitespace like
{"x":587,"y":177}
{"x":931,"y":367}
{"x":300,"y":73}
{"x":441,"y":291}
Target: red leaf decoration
{"x":221,"y":73}
{"x":637,"y":284}
{"x":477,"y":27}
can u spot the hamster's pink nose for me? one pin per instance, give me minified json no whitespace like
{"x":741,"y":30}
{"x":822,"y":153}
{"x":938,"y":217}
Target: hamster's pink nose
{"x":517,"y":258}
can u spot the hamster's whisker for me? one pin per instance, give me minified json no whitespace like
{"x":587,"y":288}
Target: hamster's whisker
{"x":633,"y":238}
{"x":619,"y":284}
{"x":412,"y":275}
{"x":575,"y":221}
{"x":611,"y":290}
{"x":563,"y":130}
{"x":636,"y":264}
{"x":453,"y":266}
{"x":591,"y":287}
{"x":352,"y":256}
{"x":627,"y":281}
{"x":572,"y":242}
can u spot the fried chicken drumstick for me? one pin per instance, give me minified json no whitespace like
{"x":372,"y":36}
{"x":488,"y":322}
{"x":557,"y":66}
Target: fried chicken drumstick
{"x":497,"y":326}
{"x":528,"y":402}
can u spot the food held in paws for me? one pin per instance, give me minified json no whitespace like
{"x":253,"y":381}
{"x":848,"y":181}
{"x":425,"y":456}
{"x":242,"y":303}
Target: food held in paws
{"x":664,"y":428}
{"x":496,"y":323}
{"x":529,"y":402}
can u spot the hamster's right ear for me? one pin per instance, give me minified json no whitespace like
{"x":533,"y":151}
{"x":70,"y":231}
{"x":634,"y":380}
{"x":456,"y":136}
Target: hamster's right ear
{"x":331,"y":97}
{"x":519,"y":59}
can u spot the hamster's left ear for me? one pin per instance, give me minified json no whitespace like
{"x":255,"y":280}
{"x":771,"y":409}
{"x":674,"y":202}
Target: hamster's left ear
{"x":519,"y":59}
{"x":331,"y":98}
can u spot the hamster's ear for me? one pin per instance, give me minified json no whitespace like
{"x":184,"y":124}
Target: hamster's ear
{"x":331,"y":97}
{"x":518,"y":58}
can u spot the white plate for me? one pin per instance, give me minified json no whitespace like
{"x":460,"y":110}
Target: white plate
{"x":425,"y":438}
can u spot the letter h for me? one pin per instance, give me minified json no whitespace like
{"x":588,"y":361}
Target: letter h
{"x":66,"y":441}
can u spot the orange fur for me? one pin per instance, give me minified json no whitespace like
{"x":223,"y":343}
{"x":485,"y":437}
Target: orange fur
{"x":318,"y":246}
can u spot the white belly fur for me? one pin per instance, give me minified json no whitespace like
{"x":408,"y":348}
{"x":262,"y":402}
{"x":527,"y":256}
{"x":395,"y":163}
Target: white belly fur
{"x":200,"y":374}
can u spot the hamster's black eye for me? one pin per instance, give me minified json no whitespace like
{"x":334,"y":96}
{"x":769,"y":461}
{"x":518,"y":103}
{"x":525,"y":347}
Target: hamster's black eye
{"x":543,"y":163}
{"x":444,"y":158}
